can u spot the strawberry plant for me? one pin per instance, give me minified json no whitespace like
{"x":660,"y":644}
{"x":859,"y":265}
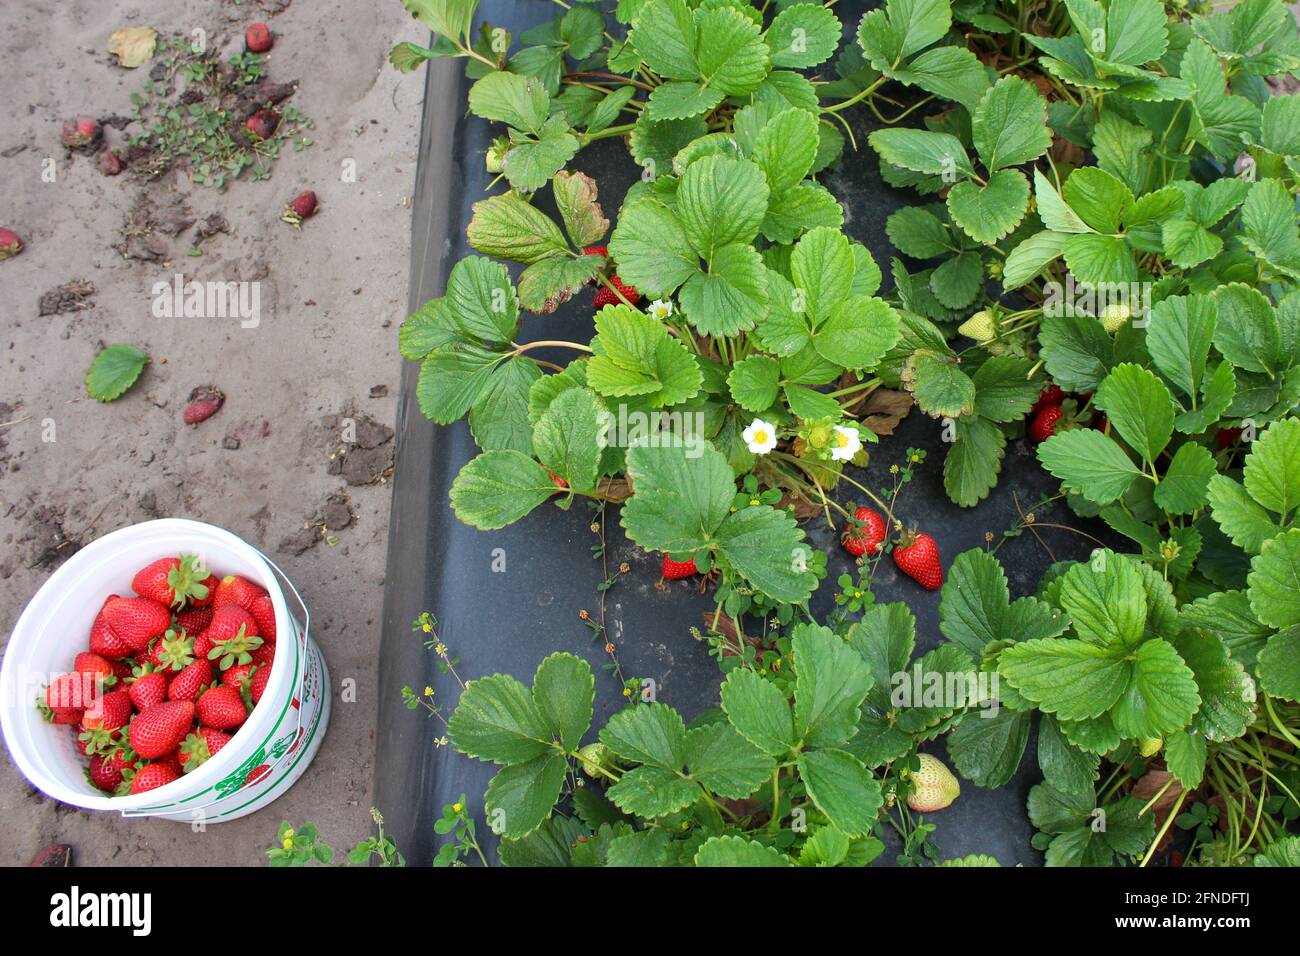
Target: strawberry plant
{"x":1104,"y":263}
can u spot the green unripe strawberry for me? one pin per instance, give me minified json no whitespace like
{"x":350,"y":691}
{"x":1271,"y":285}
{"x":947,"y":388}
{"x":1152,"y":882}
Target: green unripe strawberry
{"x":933,"y":786}
{"x":979,"y":327}
{"x":1114,"y":317}
{"x":1150,"y":746}
{"x":596,"y":759}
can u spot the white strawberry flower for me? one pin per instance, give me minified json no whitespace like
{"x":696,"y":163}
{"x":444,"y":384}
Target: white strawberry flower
{"x":661,"y":309}
{"x":760,"y":436}
{"x":846,"y":443}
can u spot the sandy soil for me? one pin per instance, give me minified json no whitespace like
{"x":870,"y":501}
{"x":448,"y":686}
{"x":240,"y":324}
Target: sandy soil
{"x":331,"y":298}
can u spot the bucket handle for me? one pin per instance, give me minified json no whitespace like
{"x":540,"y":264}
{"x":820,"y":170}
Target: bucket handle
{"x":306,"y":630}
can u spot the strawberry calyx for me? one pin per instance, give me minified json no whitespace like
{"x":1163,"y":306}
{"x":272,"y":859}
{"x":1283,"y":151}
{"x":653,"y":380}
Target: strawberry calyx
{"x":101,"y":741}
{"x":235,"y":649}
{"x":194,"y":752}
{"x":176,"y":651}
{"x":186,"y":580}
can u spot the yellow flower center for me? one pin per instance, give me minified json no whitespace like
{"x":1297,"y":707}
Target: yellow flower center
{"x":760,"y":437}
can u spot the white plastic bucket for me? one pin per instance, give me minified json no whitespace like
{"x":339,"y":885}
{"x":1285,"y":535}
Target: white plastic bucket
{"x":270,"y":751}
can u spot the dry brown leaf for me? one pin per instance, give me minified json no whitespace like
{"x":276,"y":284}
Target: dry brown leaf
{"x":134,"y":46}
{"x":616,"y":490}
{"x":1148,"y":787}
{"x":884,"y":409}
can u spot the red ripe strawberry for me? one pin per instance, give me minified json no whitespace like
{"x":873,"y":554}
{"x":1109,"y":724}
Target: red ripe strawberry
{"x":1043,"y":426}
{"x":595,"y":251}
{"x":556,"y":480}
{"x":110,"y":712}
{"x":10,"y":244}
{"x":606,"y":296}
{"x":262,"y":124}
{"x":201,"y":746}
{"x":257,"y":38}
{"x":83,"y":746}
{"x":195,"y":620}
{"x":84,"y":132}
{"x":264,"y":655}
{"x":172,"y":581}
{"x":190,"y":681}
{"x":174,"y":651}
{"x":137,"y":620}
{"x":233,"y":634}
{"x":210,"y":582}
{"x":148,"y":689}
{"x":104,"y":773}
{"x":917,"y":556}
{"x":1226,"y":437}
{"x":103,"y":640}
{"x":866,"y":538}
{"x":1051,"y":395}
{"x":222,"y":708}
{"x":69,"y":692}
{"x":106,"y":770}
{"x":95,"y":667}
{"x":124,"y":668}
{"x":152,"y":776}
{"x":233,"y":589}
{"x":676,"y":570}
{"x":237,"y":676}
{"x":203,"y":646}
{"x":300,"y":207}
{"x":157,"y":730}
{"x":261,"y":677}
{"x":68,"y":718}
{"x":263,"y":612}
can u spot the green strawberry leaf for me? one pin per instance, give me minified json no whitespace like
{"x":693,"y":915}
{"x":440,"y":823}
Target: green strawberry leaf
{"x":754,"y":382}
{"x":1184,"y":488}
{"x":498,"y":488}
{"x":842,"y":788}
{"x":651,"y":248}
{"x":1274,"y":580}
{"x":758,"y":710}
{"x":1009,"y":127}
{"x":988,"y":213}
{"x":971,"y":467}
{"x":767,"y":547}
{"x":831,"y":682}
{"x":939,"y":386}
{"x":497,"y":719}
{"x":1139,"y":407}
{"x":651,"y":734}
{"x":987,"y":746}
{"x":1088,"y":463}
{"x":1278,"y":666}
{"x":518,"y":101}
{"x":803,"y":35}
{"x":522,"y":795}
{"x":731,"y":851}
{"x":567,"y":437}
{"x":509,"y":227}
{"x":725,"y":762}
{"x":680,"y":501}
{"x":564,"y":691}
{"x":637,"y":356}
{"x":114,"y":370}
